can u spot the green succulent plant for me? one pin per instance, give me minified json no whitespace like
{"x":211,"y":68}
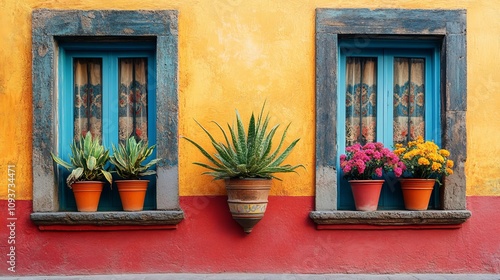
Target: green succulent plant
{"x":127,"y":159}
{"x":247,"y":154}
{"x":87,"y":161}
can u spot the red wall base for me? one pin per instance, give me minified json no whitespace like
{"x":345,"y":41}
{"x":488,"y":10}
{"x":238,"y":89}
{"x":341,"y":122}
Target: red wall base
{"x":285,"y":241}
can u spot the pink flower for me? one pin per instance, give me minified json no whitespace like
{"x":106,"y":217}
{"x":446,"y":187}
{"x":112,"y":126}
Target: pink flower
{"x":398,"y":171}
{"x":369,"y":161}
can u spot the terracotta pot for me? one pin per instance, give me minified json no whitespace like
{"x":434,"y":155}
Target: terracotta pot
{"x":417,"y":193}
{"x":132,"y":193}
{"x":87,"y":194}
{"x":366,"y":193}
{"x":247,"y":200}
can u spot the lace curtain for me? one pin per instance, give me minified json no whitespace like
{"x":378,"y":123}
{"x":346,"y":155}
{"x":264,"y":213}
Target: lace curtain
{"x":409,"y":93}
{"x":133,"y":101}
{"x":87,"y":76}
{"x":361,"y":99}
{"x":132,"y":95}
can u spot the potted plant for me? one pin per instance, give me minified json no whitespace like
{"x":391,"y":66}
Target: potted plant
{"x":363,"y":166}
{"x":87,"y":164}
{"x":425,"y":163}
{"x":127,"y":160}
{"x":247,"y":162}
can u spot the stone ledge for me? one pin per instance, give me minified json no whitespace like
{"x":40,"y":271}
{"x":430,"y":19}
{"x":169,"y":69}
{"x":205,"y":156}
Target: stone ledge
{"x":118,"y":218}
{"x":390,"y":218}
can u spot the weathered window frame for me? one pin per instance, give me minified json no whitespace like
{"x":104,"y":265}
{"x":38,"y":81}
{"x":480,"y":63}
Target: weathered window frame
{"x":48,"y":28}
{"x":447,"y":25}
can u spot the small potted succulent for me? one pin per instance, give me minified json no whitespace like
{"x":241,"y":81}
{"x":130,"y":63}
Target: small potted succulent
{"x":128,"y":161}
{"x":426,"y":164}
{"x":88,"y":169}
{"x":363,"y":166}
{"x":247,"y":162}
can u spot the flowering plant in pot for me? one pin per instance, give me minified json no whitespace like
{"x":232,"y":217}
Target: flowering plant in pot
{"x":247,"y":162}
{"x":88,"y":161}
{"x":128,"y":161}
{"x":363,"y":166}
{"x":425,"y":163}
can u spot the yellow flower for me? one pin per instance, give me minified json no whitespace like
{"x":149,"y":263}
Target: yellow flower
{"x":444,"y":153}
{"x":423,"y":161}
{"x":436,"y":166}
{"x":399,"y":151}
{"x":449,"y":171}
{"x":450,"y":163}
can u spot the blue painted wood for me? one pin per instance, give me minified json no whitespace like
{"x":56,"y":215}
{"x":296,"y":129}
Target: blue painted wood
{"x":107,"y":22}
{"x":448,"y":27}
{"x":167,"y":119}
{"x":52,"y":28}
{"x":390,"y":21}
{"x":326,"y":122}
{"x":110,"y":199}
{"x":386,"y":51}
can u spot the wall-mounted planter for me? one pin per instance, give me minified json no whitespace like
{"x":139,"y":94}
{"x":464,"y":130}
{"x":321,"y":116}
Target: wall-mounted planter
{"x":247,"y":200}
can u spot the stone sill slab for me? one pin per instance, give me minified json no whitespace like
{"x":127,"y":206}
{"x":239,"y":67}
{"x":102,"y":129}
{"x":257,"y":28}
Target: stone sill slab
{"x":113,"y":220}
{"x":393,"y":219}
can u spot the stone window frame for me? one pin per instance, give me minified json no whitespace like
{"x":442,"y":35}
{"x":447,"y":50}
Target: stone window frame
{"x":448,"y":26}
{"x":52,"y":26}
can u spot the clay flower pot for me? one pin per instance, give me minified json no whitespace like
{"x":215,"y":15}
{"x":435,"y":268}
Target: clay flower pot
{"x":366,"y":193}
{"x":87,"y":194}
{"x":417,"y":193}
{"x":132,"y":193}
{"x":247,"y":200}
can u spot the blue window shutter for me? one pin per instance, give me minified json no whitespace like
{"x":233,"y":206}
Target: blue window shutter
{"x":109,"y":53}
{"x":385,"y":51}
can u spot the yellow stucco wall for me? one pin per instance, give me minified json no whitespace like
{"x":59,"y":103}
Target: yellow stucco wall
{"x":236,"y":54}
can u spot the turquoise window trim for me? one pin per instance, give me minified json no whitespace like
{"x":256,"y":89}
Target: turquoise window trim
{"x":110,"y":55}
{"x":385,"y":51}
{"x":158,"y":27}
{"x":448,"y":28}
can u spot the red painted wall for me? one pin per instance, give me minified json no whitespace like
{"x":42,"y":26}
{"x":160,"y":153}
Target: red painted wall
{"x":286,"y":240}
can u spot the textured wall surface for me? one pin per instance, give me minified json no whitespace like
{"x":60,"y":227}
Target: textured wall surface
{"x":284,"y":241}
{"x":235,"y":54}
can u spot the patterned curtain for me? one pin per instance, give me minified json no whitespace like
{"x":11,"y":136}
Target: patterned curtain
{"x":409,"y":93}
{"x":133,"y":101}
{"x":361,"y":100}
{"x":88,"y":96}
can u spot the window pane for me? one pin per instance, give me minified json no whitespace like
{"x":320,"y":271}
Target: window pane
{"x":87,"y":77}
{"x":409,"y":96}
{"x":361,"y":100}
{"x":133,"y":114}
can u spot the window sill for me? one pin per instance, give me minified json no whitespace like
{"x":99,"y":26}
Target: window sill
{"x":116,"y":220}
{"x":394,"y":219}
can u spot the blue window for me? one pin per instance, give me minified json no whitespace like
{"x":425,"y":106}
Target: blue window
{"x":389,"y":92}
{"x":109,"y":90}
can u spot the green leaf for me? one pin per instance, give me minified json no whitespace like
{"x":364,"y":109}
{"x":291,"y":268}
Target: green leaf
{"x":241,"y":138}
{"x":61,"y":162}
{"x":147,"y":173}
{"x":91,"y":163}
{"x":108,"y":176}
{"x":247,"y":155}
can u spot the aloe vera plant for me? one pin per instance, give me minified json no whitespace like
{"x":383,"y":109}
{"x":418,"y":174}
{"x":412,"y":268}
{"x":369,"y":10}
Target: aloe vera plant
{"x":127,"y":159}
{"x":247,"y":154}
{"x":87,"y":161}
